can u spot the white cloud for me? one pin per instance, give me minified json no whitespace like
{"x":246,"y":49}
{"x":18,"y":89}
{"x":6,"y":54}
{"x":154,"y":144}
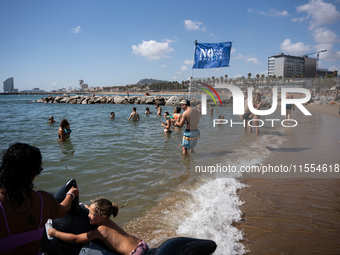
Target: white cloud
{"x":76,"y":30}
{"x":323,"y":35}
{"x":275,"y":13}
{"x":295,"y":49}
{"x":212,"y":35}
{"x":330,"y":55}
{"x":193,"y":25}
{"x":152,"y":50}
{"x":299,"y":19}
{"x":188,"y":62}
{"x":172,"y":40}
{"x":251,"y":59}
{"x":254,"y":60}
{"x":239,"y":56}
{"x":164,"y":66}
{"x":232,"y":51}
{"x":319,"y":12}
{"x":332,"y":68}
{"x":265,"y":73}
{"x":184,"y":68}
{"x":250,"y":10}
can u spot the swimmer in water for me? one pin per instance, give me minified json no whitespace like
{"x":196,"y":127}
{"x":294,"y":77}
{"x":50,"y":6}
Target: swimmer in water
{"x":177,"y":116}
{"x":51,"y":120}
{"x":159,"y":110}
{"x":167,"y":124}
{"x":112,"y":115}
{"x":64,"y":130}
{"x":147,"y":110}
{"x":134,"y":115}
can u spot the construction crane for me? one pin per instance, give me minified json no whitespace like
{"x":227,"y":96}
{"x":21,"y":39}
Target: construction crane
{"x":317,"y":56}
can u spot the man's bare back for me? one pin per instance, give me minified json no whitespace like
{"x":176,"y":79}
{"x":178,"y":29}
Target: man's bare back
{"x":191,"y":118}
{"x":134,"y":115}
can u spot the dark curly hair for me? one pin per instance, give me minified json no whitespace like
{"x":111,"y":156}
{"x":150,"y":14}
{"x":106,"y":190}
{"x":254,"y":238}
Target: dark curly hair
{"x":178,"y":109}
{"x":105,"y":207}
{"x":64,"y":123}
{"x":20,"y":164}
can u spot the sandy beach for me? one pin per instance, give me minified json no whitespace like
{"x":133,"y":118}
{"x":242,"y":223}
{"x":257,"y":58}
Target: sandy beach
{"x":297,"y":213}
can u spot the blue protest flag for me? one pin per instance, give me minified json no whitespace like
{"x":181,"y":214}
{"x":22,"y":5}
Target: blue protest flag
{"x":212,"y":55}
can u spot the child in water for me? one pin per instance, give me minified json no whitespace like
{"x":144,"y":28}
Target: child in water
{"x":51,"y":120}
{"x":167,"y":123}
{"x":115,"y":238}
{"x":147,"y":110}
{"x":177,"y":116}
{"x":64,"y":130}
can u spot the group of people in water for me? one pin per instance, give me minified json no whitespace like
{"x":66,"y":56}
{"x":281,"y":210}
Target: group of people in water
{"x":24,"y":211}
{"x":190,"y":118}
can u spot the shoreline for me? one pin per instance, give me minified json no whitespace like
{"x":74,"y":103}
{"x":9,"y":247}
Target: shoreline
{"x":297,"y":213}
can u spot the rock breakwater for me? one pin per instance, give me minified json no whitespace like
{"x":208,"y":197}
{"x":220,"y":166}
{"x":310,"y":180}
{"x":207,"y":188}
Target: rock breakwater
{"x":105,"y":99}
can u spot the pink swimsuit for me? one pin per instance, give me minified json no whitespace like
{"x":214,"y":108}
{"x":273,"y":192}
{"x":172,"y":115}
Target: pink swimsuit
{"x":141,"y":249}
{"x":11,"y":242}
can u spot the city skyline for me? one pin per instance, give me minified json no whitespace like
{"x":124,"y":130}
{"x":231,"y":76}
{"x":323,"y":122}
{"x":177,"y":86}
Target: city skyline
{"x":51,"y":45}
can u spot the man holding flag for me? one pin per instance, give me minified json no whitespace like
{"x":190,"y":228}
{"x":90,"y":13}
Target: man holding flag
{"x":207,"y":55}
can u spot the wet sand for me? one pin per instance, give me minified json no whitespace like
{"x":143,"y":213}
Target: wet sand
{"x":297,"y":213}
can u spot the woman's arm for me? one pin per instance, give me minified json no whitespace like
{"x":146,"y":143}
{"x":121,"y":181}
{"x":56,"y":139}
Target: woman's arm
{"x":167,"y":126}
{"x":72,"y":238}
{"x":59,"y":210}
{"x":259,"y":106}
{"x":62,"y":135}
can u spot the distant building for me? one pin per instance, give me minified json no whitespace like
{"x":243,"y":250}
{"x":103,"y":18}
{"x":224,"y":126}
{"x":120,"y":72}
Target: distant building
{"x":9,"y":86}
{"x":34,"y":90}
{"x":82,"y":85}
{"x":288,"y":66}
{"x":326,"y":72}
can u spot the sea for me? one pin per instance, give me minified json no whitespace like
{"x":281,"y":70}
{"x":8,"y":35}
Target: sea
{"x":165,"y":193}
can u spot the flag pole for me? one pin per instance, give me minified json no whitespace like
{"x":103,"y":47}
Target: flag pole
{"x":192,"y":69}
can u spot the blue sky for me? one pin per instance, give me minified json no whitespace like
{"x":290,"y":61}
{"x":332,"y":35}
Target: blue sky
{"x":54,"y":44}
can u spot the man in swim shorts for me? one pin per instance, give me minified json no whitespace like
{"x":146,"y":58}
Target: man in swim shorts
{"x":190,"y":118}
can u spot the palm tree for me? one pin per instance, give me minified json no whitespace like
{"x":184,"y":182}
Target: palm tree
{"x":249,"y":75}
